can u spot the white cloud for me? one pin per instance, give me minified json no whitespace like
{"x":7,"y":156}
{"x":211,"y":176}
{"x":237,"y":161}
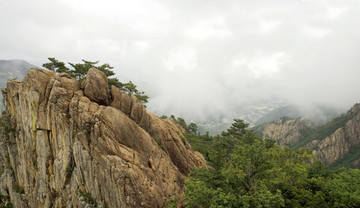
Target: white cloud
{"x":263,"y":64}
{"x":184,"y":58}
{"x":266,"y":26}
{"x":212,"y":28}
{"x":334,"y":12}
{"x":181,"y":51}
{"x":314,"y":32}
{"x":141,"y":46}
{"x":142,"y":15}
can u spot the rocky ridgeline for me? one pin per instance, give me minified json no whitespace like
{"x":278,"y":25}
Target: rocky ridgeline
{"x":330,"y":149}
{"x":335,"y":147}
{"x":67,"y":144}
{"x":285,"y":131}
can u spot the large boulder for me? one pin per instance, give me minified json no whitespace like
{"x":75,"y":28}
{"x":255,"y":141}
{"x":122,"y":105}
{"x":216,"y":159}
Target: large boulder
{"x":116,"y":97}
{"x":96,"y":87}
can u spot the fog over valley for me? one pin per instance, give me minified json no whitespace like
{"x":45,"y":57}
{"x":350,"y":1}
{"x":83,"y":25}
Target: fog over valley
{"x":203,"y":60}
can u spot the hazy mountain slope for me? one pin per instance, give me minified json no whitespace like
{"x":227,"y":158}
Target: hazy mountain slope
{"x":336,"y":143}
{"x":10,"y":69}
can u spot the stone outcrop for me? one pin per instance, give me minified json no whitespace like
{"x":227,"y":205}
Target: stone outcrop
{"x":337,"y":145}
{"x":64,"y":146}
{"x":286,"y":131}
{"x":96,"y":87}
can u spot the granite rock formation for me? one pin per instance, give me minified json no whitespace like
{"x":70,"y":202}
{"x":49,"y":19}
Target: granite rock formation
{"x":285,"y":131}
{"x":337,"y":145}
{"x":66,"y":144}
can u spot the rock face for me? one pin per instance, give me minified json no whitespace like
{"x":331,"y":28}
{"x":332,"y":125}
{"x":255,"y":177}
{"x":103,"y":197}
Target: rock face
{"x":285,"y":131}
{"x":66,"y":147}
{"x":336,"y":146}
{"x":95,"y":86}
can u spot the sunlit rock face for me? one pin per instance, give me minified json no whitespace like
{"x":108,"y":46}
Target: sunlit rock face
{"x":73,"y":146}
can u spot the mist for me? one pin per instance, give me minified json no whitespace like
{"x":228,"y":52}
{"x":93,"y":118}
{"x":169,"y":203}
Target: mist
{"x":201,"y":60}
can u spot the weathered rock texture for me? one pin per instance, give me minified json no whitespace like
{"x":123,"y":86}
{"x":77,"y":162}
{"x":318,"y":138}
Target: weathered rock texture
{"x":337,"y":145}
{"x":286,"y":131}
{"x":62,"y":140}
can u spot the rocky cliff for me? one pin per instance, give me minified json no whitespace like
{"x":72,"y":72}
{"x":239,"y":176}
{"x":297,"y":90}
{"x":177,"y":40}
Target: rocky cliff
{"x":337,"y":142}
{"x":336,"y":146}
{"x":285,"y":131}
{"x":66,"y":144}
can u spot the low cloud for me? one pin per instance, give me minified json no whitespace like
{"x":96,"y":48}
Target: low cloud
{"x":202,"y":59}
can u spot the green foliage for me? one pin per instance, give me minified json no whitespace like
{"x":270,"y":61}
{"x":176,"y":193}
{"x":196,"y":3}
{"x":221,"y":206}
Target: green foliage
{"x":5,"y":201}
{"x":193,"y":128}
{"x":173,"y":202}
{"x":237,"y":129}
{"x":247,"y":171}
{"x":79,"y":71}
{"x":9,"y":205}
{"x":182,"y":122}
{"x":344,"y":189}
{"x":56,"y":65}
{"x":5,"y":123}
{"x":199,"y":143}
{"x":131,"y":88}
{"x":18,"y":189}
{"x":159,"y":143}
{"x":86,"y":197}
{"x":69,"y":170}
{"x":183,"y":140}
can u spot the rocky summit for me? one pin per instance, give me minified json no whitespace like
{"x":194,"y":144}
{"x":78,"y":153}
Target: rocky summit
{"x":66,"y":144}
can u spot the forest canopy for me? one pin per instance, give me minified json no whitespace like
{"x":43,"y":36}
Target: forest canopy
{"x":248,"y":171}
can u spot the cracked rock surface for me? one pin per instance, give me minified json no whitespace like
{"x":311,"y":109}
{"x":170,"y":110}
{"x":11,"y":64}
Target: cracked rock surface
{"x":66,"y":140}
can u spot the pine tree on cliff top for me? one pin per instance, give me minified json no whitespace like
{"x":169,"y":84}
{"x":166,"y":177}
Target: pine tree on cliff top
{"x":79,"y":71}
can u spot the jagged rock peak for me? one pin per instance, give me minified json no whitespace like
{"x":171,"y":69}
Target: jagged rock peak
{"x":69,"y":148}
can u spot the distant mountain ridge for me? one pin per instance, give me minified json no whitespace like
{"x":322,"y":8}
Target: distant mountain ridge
{"x":12,"y":69}
{"x":259,"y":114}
{"x":336,"y":143}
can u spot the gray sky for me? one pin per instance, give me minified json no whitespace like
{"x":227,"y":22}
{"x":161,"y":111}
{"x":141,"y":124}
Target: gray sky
{"x":200,"y":58}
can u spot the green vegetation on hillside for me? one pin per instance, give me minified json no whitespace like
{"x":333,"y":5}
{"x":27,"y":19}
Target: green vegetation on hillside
{"x":79,"y":71}
{"x":247,"y":171}
{"x":322,"y":131}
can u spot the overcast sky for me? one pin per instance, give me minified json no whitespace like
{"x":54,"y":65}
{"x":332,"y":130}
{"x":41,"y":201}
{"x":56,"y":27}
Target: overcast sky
{"x":196,"y":58}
